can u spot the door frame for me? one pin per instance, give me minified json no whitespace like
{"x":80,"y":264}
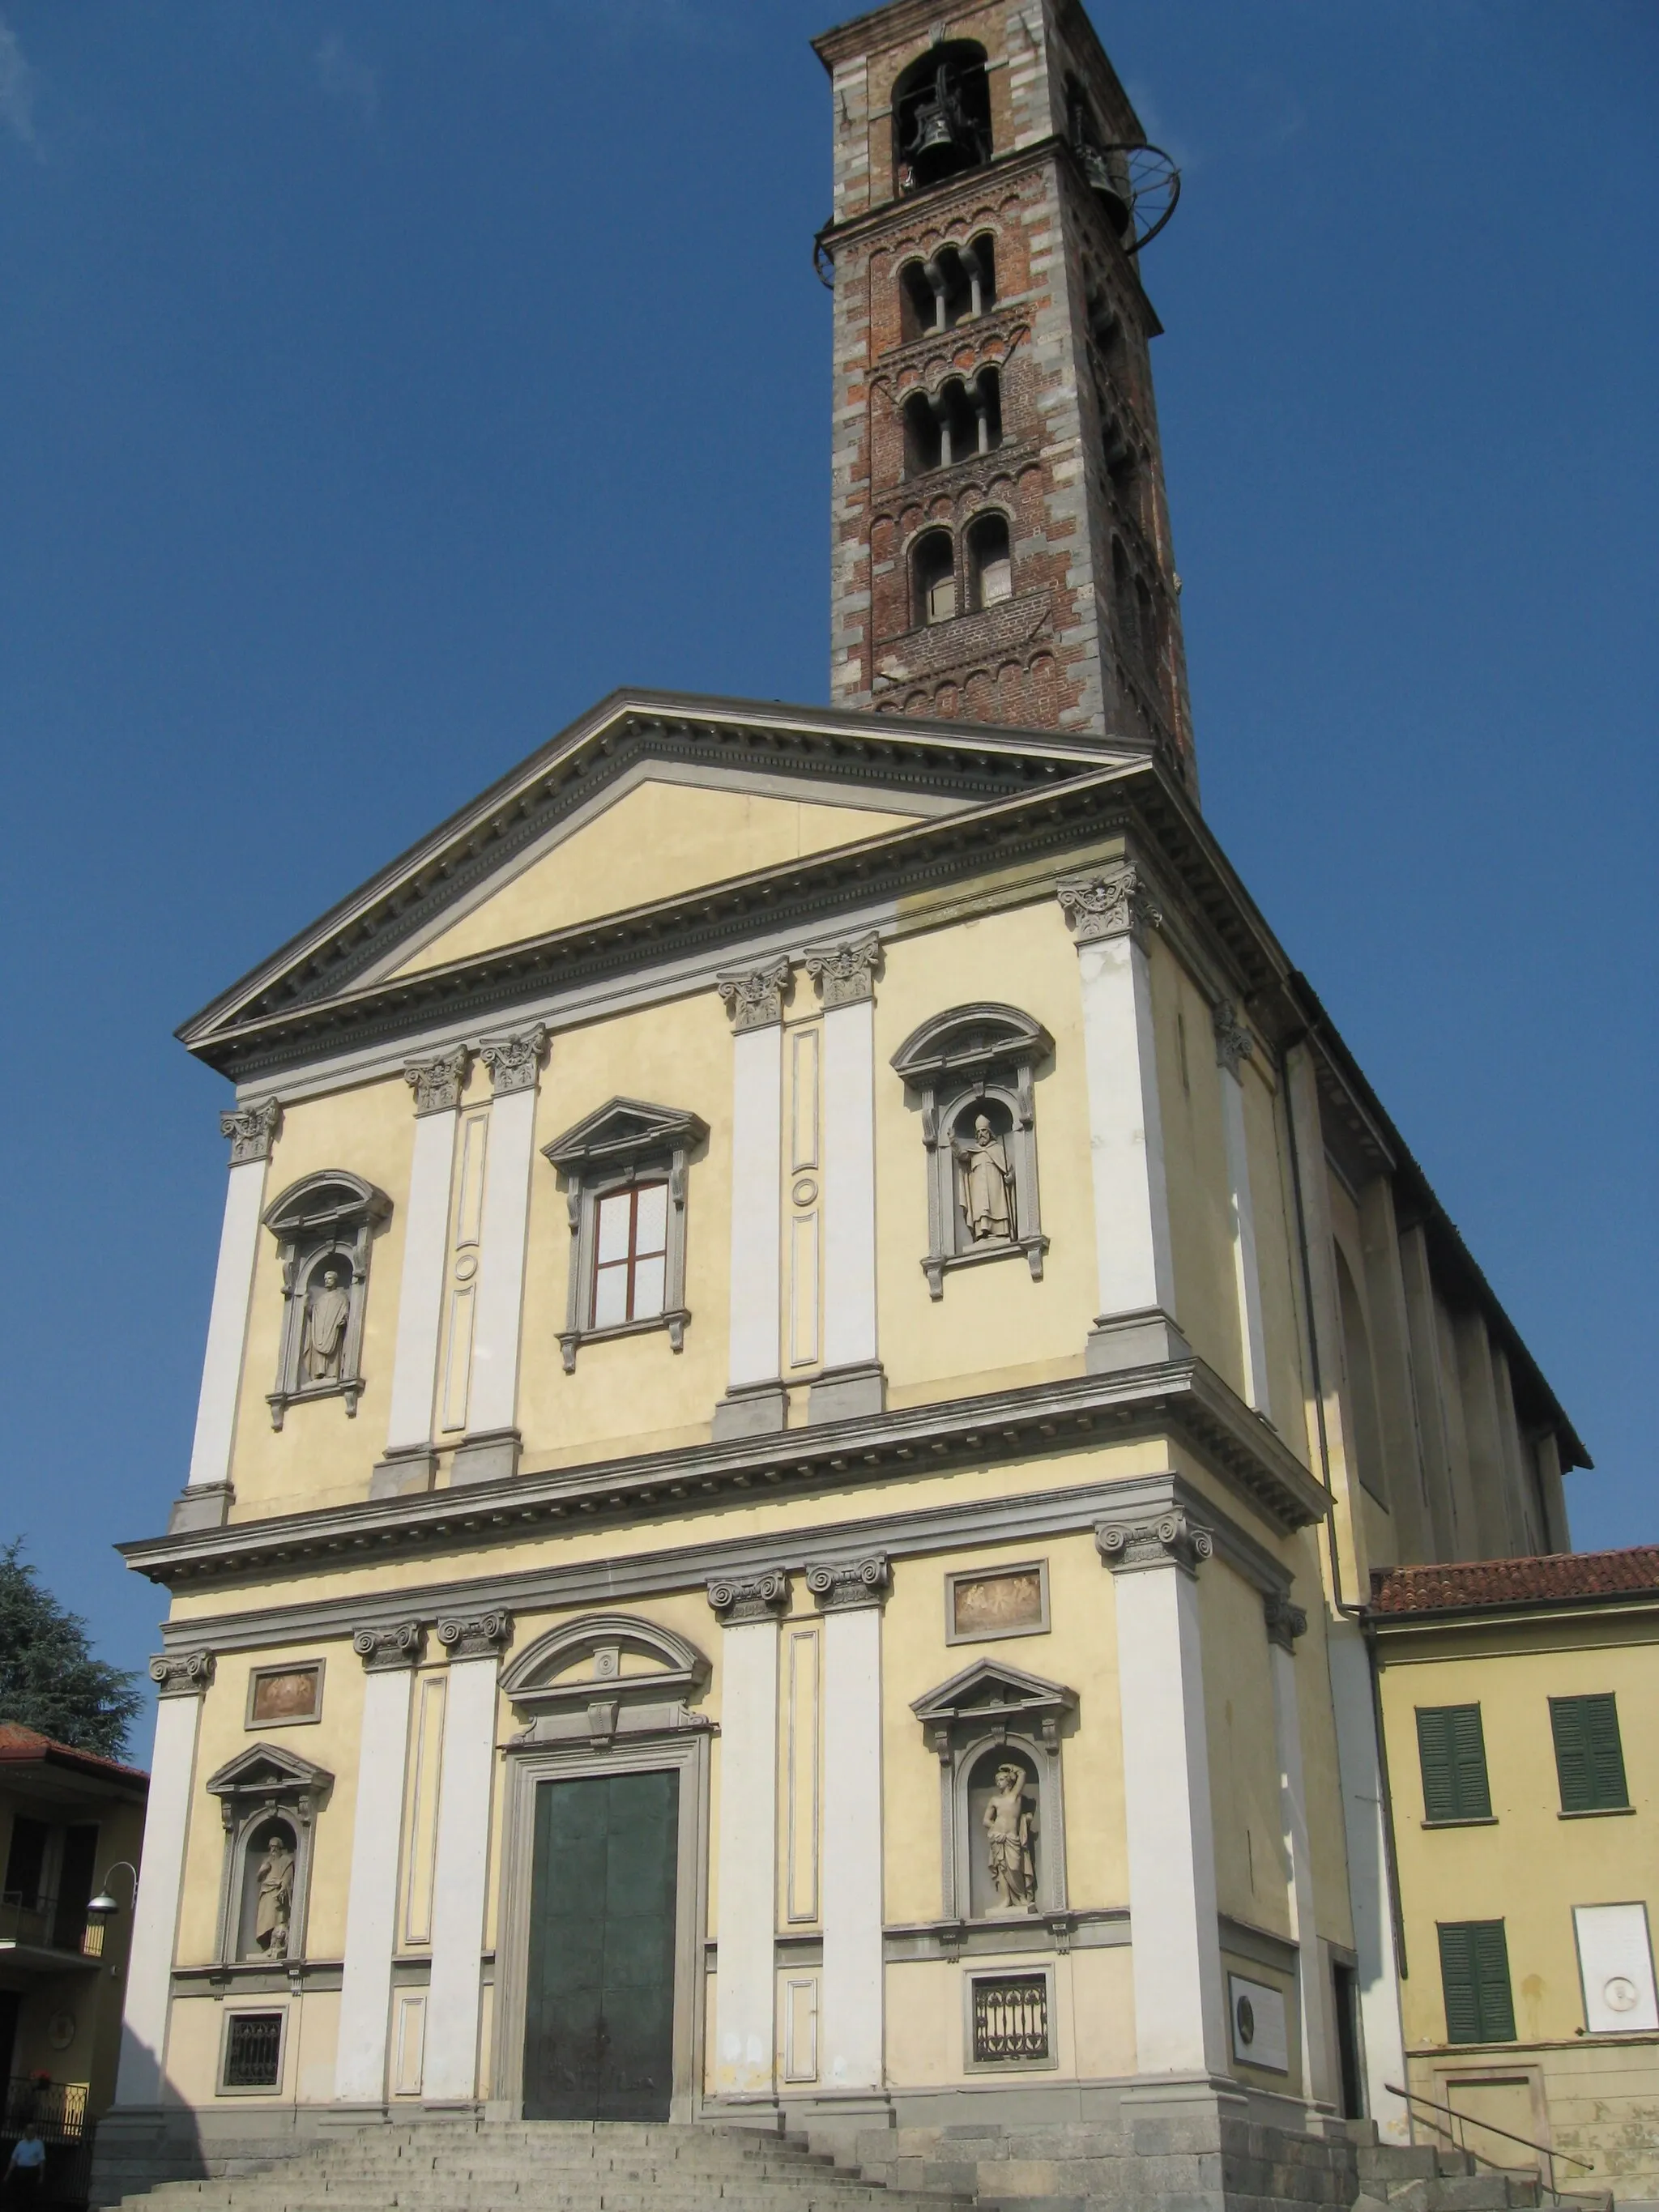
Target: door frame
{"x":529,"y":1766}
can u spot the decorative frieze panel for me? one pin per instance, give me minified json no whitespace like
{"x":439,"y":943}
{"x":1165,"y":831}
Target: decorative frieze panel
{"x":1111,"y":902}
{"x":484,"y":1637}
{"x":752,"y":1597}
{"x":252,"y":1130}
{"x":1172,"y":1540}
{"x":857,"y":1583}
{"x":754,"y":997}
{"x":438,"y":1082}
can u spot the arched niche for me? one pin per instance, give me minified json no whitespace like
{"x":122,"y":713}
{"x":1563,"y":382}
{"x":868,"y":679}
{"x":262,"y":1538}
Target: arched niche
{"x":269,"y":1799}
{"x":324,"y":1226}
{"x":972,"y":1064}
{"x":988,"y":1720}
{"x":604,"y":1676}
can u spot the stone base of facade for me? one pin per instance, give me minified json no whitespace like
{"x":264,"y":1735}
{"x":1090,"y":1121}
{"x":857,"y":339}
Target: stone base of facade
{"x":492,"y":1457}
{"x":409,"y":1473}
{"x":1120,"y":1341}
{"x":843,"y":1393}
{"x":206,"y":1506}
{"x":756,"y":1409}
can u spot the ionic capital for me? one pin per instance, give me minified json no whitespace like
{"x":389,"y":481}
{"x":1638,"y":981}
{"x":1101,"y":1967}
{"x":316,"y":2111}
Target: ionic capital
{"x":484,"y":1637}
{"x":840,"y":1587}
{"x":1286,"y":1621}
{"x":514,"y":1061}
{"x":1233,"y":1042}
{"x":751,"y":1597}
{"x":437,"y":1082}
{"x":1170,"y":1541}
{"x":754,"y":997}
{"x":845,"y":973}
{"x":251,"y":1130}
{"x":1109,"y":903}
{"x":383,"y":1649}
{"x":181,"y":1673}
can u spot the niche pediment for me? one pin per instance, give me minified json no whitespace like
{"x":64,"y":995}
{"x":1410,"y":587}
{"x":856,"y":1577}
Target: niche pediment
{"x":989,"y":1694}
{"x":604,"y":1675}
{"x":266,"y":1770}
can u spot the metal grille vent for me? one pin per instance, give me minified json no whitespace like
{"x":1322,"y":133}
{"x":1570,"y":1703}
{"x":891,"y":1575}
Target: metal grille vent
{"x":1011,"y":2019}
{"x":254,"y":2046}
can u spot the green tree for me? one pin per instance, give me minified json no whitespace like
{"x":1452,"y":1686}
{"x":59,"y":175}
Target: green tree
{"x":48,"y":1678}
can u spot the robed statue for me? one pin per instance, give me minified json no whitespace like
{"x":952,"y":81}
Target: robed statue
{"x":328,"y":1307}
{"x":1010,"y":1827}
{"x":274,"y":1909}
{"x":984,"y":1185}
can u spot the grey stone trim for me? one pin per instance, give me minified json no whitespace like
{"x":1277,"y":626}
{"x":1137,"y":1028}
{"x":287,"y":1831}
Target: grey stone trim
{"x":438,"y":1082}
{"x":1284,"y":1621}
{"x":382,"y":1649}
{"x":1173,"y":1540}
{"x":754,"y":997}
{"x":1121,"y":1344}
{"x":1234,"y":1043}
{"x":845,"y":973}
{"x":754,"y":1409}
{"x":182,"y":1673}
{"x":736,"y":1598}
{"x":406,"y":1471}
{"x":1187,"y":1399}
{"x":492,"y":1455}
{"x":1113,"y":902}
{"x":252,"y":1130}
{"x":1095,"y":1929}
{"x":1259,"y":1945}
{"x":840,"y":1587}
{"x":236,"y":1978}
{"x":514,"y":1061}
{"x":843,"y":1394}
{"x":204,"y":1505}
{"x":486,"y":1636}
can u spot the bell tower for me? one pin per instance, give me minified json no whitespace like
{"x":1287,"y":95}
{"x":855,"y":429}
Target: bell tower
{"x":1000,"y":536}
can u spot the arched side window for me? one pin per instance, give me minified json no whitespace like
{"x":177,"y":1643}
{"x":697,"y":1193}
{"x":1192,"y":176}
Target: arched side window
{"x":325,"y":1227}
{"x":269,"y":1799}
{"x":990,"y":562}
{"x":934,"y":578}
{"x":919,"y":304}
{"x":941,"y":107}
{"x":972,"y":1069}
{"x":979,"y":259}
{"x":956,"y":284}
{"x":923,"y":440}
{"x":625,"y":1170}
{"x":996,"y":1732}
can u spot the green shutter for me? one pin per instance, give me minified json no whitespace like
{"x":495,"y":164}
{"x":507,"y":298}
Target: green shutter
{"x":1453,"y":1752}
{"x":1589,"y":1759}
{"x":1474,"y":1977}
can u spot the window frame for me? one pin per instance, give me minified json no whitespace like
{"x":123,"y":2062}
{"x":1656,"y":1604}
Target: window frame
{"x":1480,"y":1974}
{"x":629,"y":1262}
{"x":1457,"y":1811}
{"x":1559,"y":1707}
{"x":1040,"y":1970}
{"x":233,"y":2013}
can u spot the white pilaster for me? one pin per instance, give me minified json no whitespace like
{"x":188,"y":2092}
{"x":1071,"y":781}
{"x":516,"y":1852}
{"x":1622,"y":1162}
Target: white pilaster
{"x":1135,"y":1271}
{"x":1285,"y":1622}
{"x":372,"y":1899}
{"x":461,"y":1873}
{"x":1176,"y":1954}
{"x":437,"y":1088}
{"x":1233,"y":1046}
{"x":755,"y":1001}
{"x":845,"y":974}
{"x":1361,"y":1771}
{"x":492,"y":1405}
{"x":155,"y":1909}
{"x":745,"y":2024}
{"x":851,"y":2010}
{"x":252,"y":1131}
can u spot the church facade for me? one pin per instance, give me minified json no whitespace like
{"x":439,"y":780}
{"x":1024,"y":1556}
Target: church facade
{"x":817,"y":1337}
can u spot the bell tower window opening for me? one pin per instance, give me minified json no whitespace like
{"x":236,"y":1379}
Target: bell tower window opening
{"x":933,"y":569}
{"x":630,"y":1266}
{"x":958,"y":284}
{"x":990,"y":565}
{"x":941,"y":115}
{"x":919,"y":305}
{"x":923,"y":439}
{"x":959,"y":425}
{"x":979,"y":258}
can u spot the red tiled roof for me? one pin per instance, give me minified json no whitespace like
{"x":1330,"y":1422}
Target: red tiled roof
{"x":1560,"y":1576}
{"x":19,"y":1744}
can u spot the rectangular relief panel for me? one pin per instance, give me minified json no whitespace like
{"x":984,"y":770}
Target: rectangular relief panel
{"x":803,"y":1209}
{"x":804,"y":1261}
{"x":461,"y":1275}
{"x":800,"y":2028}
{"x":408,"y":2042}
{"x":420,"y":1818}
{"x":801,"y":1759}
{"x":804,"y":1099}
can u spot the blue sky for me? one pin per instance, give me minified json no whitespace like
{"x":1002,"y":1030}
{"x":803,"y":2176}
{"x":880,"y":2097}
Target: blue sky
{"x":381,"y":383}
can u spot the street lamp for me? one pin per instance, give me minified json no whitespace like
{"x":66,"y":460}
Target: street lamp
{"x":104,"y":1907}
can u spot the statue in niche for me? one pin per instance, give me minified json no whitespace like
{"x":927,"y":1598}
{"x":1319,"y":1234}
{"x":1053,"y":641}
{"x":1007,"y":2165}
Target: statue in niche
{"x":1010,"y":1832}
{"x":274,"y":1911}
{"x":328,"y":1306}
{"x":984,"y":1185}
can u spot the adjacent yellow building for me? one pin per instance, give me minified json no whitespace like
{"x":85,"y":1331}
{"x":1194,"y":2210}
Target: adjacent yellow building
{"x":1517,"y":1698}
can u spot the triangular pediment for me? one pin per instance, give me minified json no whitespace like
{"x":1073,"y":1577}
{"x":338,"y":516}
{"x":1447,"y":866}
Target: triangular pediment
{"x":267,"y":1770}
{"x":989,"y":1690}
{"x":652,"y":798}
{"x":622,"y":1128}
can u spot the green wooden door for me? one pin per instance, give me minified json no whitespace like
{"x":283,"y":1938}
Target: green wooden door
{"x":598,"y":2040}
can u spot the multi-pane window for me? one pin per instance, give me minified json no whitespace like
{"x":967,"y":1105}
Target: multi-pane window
{"x":1589,"y":1759}
{"x":1453,"y":1753}
{"x":631,"y":1257}
{"x":1474,"y":1977}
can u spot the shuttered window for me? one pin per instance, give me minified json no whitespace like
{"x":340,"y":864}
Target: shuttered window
{"x":1589,"y":1759}
{"x":1453,"y":1752}
{"x":1475,"y":1976}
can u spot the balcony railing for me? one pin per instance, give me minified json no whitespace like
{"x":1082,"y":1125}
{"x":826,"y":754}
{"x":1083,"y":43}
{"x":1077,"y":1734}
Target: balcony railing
{"x":48,"y":1923}
{"x":56,"y":2110}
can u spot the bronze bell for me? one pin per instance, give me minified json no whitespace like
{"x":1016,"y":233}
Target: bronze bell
{"x":942,"y":143}
{"x":1108,"y":178}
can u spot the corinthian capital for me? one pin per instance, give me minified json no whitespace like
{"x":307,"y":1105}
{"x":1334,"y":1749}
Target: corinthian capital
{"x":845,"y":973}
{"x":1111,"y":901}
{"x":251,"y":1130}
{"x":437,"y":1082}
{"x":513,"y":1062}
{"x":754,"y":996}
{"x":1233,"y":1042}
{"x":1170,"y":1541}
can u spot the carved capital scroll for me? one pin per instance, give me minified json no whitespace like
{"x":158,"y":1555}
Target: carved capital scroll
{"x":754,"y":997}
{"x":181,"y":1673}
{"x":752,"y":1597}
{"x":1171,"y":1540}
{"x":251,"y":1130}
{"x":514,"y":1061}
{"x":437,"y":1082}
{"x":1285,"y":1622}
{"x":484,"y":1637}
{"x":857,"y":1583}
{"x":1233,"y":1042}
{"x":845,"y":973}
{"x":1111,"y":902}
{"x":382,"y":1649}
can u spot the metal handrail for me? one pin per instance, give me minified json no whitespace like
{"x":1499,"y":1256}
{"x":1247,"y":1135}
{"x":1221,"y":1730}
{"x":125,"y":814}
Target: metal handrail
{"x":1467,"y":2120}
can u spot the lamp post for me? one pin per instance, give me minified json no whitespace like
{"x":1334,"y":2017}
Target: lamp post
{"x":104,"y":1907}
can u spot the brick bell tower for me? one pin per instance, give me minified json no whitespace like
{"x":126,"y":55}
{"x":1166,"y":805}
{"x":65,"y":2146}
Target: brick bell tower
{"x":1000,"y":536}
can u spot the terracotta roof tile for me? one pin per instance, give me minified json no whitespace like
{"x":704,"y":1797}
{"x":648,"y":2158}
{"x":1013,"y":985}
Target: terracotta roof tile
{"x":1557,"y":1575}
{"x":19,"y":1744}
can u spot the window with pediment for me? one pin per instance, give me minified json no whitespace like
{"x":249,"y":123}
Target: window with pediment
{"x":973,"y":1071}
{"x":625,"y":1171}
{"x":324,"y":1226}
{"x":268,"y":1799}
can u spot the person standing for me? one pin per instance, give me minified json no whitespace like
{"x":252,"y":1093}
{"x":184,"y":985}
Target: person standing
{"x":26,"y":2168}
